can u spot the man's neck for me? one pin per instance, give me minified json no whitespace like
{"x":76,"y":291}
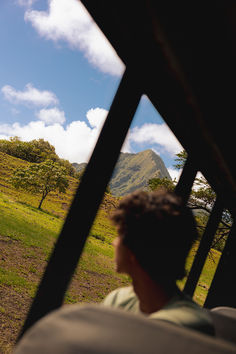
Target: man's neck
{"x":152,"y":296}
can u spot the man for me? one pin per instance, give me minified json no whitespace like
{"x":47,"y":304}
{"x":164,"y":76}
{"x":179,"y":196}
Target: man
{"x":155,"y":234}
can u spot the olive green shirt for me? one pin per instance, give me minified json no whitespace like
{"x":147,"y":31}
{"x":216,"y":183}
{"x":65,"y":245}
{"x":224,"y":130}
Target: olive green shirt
{"x":180,"y":310}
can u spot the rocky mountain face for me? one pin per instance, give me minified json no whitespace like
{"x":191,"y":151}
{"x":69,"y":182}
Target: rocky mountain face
{"x":133,"y":171}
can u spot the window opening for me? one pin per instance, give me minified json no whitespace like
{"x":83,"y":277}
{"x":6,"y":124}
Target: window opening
{"x":214,"y":223}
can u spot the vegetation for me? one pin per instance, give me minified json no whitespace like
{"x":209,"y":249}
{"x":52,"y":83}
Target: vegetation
{"x":41,"y":178}
{"x":31,"y":151}
{"x":202,"y":199}
{"x":34,"y":151}
{"x":155,"y":183}
{"x":27,"y":236}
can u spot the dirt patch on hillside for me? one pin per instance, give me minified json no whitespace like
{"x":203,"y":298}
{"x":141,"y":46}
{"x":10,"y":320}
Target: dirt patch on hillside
{"x":23,"y":269}
{"x":13,"y":309}
{"x":20,"y":271}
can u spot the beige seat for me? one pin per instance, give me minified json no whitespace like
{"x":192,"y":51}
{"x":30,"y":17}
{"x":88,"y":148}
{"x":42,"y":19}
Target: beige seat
{"x":96,"y":329}
{"x":224,"y":320}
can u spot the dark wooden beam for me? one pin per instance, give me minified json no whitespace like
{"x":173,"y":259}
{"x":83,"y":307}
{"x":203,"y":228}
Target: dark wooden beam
{"x":187,"y":177}
{"x":223,"y":286}
{"x":204,"y":248}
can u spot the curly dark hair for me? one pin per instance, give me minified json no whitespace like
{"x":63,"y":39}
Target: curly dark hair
{"x":159,"y":229}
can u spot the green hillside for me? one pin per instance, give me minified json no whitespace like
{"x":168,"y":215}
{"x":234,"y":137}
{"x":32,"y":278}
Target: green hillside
{"x":27,"y":236}
{"x":133,"y":171}
{"x":55,"y":203}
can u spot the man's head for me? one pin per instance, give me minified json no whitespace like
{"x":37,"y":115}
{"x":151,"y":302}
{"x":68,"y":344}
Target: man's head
{"x":158,"y":229}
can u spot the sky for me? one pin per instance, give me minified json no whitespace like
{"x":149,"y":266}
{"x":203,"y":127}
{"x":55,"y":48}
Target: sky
{"x":58,"y":76}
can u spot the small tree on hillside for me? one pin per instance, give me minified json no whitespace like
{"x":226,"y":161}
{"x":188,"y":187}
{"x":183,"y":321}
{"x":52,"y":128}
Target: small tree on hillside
{"x":41,"y":178}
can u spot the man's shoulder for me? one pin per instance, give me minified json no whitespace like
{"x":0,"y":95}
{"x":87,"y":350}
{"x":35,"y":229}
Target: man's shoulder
{"x":183,"y":311}
{"x":123,"y":297}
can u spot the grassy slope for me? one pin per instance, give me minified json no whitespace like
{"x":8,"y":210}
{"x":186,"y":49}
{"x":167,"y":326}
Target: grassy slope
{"x":27,"y":236}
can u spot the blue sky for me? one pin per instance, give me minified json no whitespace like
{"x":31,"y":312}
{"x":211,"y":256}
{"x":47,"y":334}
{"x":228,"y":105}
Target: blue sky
{"x":58,"y":76}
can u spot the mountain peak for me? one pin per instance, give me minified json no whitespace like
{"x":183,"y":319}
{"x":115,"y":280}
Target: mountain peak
{"x":133,"y":171}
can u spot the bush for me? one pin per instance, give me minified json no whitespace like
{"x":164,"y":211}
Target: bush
{"x":36,"y":151}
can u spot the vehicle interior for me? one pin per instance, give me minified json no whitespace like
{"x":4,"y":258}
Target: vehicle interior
{"x":182,"y":56}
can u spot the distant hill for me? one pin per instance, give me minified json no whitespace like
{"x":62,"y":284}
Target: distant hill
{"x":133,"y":171}
{"x":79,"y":166}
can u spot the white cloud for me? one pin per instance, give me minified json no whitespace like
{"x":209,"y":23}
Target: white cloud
{"x":69,"y":21}
{"x":29,"y":96}
{"x":96,"y":117}
{"x":197,"y":186}
{"x":126,"y":147}
{"x":51,"y":115}
{"x":174,"y":174}
{"x":156,"y":152}
{"x":74,"y":142}
{"x":156,"y":134}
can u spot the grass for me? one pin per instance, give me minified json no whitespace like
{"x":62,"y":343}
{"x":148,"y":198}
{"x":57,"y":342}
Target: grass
{"x":27,"y":237}
{"x":56,"y":204}
{"x":206,"y":276}
{"x":26,"y":224}
{"x":11,"y":278}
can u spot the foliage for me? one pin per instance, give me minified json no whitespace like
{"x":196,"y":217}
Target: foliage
{"x":155,"y":183}
{"x":27,"y":237}
{"x":41,"y":178}
{"x":79,"y":174}
{"x":69,"y":168}
{"x":34,"y":151}
{"x":202,"y":199}
{"x":180,"y":159}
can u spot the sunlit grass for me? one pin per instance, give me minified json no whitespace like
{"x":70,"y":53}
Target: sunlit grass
{"x":22,"y":221}
{"x":207,"y":275}
{"x":34,"y":228}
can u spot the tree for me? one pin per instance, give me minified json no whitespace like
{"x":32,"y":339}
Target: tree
{"x":201,"y":200}
{"x":70,"y":170}
{"x":41,"y":178}
{"x":180,"y":159}
{"x":156,"y":182}
{"x":31,"y":151}
{"x":41,"y":150}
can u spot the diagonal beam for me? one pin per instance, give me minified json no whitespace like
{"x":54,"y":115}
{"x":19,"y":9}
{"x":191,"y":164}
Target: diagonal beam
{"x":187,"y":177}
{"x":88,"y":197}
{"x":204,"y":248}
{"x":223,"y":286}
